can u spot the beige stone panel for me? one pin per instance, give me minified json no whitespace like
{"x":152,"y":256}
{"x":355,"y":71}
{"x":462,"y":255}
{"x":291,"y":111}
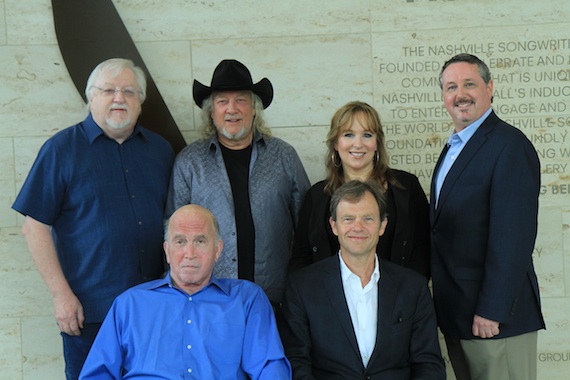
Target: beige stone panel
{"x":566,"y":244}
{"x":3,"y":38}
{"x":310,"y":146}
{"x":26,"y":150}
{"x":29,"y":22}
{"x":191,"y":136}
{"x":153,"y":20}
{"x":554,"y":342}
{"x":10,"y":349}
{"x":7,"y":189}
{"x":14,"y":253}
{"x":28,"y":294}
{"x":522,"y":60}
{"x":548,"y":255}
{"x":38,"y":97}
{"x":566,"y":252}
{"x":387,"y":15}
{"x":42,"y":349}
{"x":169,"y":63}
{"x":311,"y":76}
{"x":528,"y":65}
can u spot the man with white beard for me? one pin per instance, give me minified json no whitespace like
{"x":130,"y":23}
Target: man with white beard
{"x":252,"y":182}
{"x":93,"y":202}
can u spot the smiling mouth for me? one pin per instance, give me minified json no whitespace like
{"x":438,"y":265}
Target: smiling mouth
{"x":357,"y":154}
{"x":357,"y":238}
{"x":463,"y":104}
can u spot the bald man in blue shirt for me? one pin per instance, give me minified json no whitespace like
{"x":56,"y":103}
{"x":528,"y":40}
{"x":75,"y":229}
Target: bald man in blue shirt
{"x":190,"y":325}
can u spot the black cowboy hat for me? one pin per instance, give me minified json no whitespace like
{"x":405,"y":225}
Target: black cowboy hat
{"x":231,"y":75}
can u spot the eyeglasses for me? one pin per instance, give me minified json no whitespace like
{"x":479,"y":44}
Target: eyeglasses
{"x":111,"y":92}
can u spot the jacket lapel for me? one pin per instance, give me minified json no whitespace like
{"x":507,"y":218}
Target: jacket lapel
{"x":387,"y":295}
{"x":335,"y":293}
{"x":465,"y":157}
{"x":432,"y":199}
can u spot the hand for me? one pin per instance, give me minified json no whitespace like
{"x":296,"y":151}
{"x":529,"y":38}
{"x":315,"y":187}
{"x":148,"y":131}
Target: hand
{"x":484,"y":328}
{"x":68,"y":314}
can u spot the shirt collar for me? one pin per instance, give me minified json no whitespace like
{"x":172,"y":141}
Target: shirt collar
{"x":93,"y":130}
{"x":466,"y":133}
{"x":167,"y":281}
{"x":214,"y":143}
{"x":346,"y":273}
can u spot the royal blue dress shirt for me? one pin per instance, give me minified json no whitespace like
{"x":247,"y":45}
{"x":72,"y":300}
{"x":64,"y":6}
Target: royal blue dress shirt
{"x":227,"y":330}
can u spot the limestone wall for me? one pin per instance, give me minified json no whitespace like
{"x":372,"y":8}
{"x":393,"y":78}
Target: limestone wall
{"x":318,"y":55}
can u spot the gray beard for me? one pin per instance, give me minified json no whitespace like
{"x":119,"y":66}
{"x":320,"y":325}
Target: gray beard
{"x":235,"y":136}
{"x":118,"y":125}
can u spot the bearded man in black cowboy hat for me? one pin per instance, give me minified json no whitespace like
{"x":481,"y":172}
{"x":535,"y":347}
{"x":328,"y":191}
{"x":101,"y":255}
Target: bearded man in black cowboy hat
{"x":253,"y":183}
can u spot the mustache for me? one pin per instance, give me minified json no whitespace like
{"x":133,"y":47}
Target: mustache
{"x":464,"y":100}
{"x":116,"y":106}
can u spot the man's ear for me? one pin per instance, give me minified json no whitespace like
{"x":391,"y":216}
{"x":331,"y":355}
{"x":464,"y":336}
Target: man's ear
{"x":220,"y":248}
{"x":333,"y":226}
{"x":383,"y":226}
{"x":165,"y":246}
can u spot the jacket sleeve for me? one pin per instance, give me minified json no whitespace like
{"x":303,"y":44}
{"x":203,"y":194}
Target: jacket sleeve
{"x":513,"y":211}
{"x":300,"y":186}
{"x":301,"y":253}
{"x":425,"y":354}
{"x":296,"y":335}
{"x":180,"y":187}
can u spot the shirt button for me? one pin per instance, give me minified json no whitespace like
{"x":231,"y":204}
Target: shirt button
{"x":189,"y":298}
{"x":189,"y":346}
{"x":140,"y":223}
{"x":189,"y":321}
{"x":189,"y":370}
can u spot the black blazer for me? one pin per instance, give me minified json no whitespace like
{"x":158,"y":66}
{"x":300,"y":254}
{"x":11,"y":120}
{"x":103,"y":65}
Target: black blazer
{"x":314,"y":239}
{"x":319,"y":339}
{"x":483,"y":233}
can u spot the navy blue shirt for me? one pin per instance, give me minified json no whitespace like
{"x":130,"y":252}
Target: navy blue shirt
{"x":105,"y":203}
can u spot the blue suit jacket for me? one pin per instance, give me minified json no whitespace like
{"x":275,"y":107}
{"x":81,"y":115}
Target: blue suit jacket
{"x":319,"y":339}
{"x":483,"y":233}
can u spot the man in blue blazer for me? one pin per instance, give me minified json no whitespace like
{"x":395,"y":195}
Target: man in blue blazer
{"x":354,"y":316}
{"x":484,"y":207}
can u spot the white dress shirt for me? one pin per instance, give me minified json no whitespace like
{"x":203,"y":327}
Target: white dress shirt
{"x":362,"y":306}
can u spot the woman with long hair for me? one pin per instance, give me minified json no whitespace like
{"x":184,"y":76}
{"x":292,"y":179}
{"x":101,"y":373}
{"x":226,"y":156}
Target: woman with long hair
{"x":356,"y":150}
